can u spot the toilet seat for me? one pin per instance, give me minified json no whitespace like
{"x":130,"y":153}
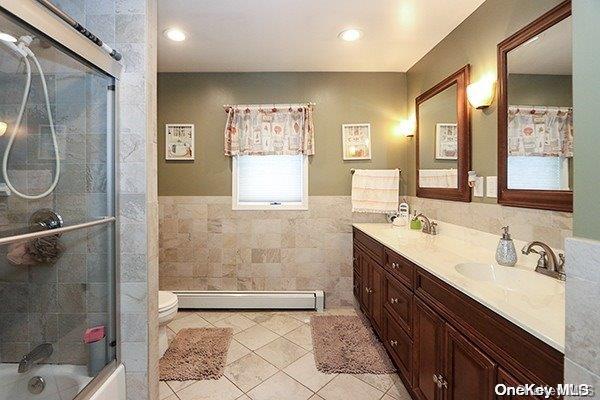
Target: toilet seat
{"x":166,"y":301}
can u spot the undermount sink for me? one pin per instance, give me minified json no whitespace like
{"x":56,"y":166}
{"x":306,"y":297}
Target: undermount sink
{"x":510,"y":278}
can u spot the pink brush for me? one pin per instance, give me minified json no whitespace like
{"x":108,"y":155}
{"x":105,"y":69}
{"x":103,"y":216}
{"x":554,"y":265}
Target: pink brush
{"x":94,"y":334}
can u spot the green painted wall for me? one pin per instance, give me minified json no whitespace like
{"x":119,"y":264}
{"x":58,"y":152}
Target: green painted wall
{"x":586,"y":98}
{"x":377,"y":98}
{"x":473,"y":42}
{"x":540,"y":90}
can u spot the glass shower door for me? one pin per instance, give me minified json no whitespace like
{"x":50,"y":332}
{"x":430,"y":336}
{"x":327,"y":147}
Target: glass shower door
{"x":57,"y":283}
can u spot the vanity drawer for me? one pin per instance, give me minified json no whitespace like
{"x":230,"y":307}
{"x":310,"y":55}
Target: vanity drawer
{"x":399,"y":345}
{"x":398,"y":302}
{"x":372,"y":247}
{"x":399,"y":267}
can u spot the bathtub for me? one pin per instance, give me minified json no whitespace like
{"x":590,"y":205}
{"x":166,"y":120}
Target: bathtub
{"x":62,"y":382}
{"x":113,"y":388}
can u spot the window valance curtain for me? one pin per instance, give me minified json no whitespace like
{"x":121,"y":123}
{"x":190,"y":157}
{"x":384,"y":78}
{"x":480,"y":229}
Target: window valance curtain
{"x":540,"y":131}
{"x":269,"y":130}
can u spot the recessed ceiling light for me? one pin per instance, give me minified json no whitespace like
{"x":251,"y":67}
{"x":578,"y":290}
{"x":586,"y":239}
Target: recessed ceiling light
{"x":350,"y":35}
{"x":7,"y":38}
{"x":175,"y":34}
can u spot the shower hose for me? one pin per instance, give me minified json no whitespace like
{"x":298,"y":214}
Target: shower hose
{"x":23,"y":50}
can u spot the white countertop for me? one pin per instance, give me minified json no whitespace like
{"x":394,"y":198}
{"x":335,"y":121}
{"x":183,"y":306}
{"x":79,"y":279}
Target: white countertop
{"x":543,"y":315}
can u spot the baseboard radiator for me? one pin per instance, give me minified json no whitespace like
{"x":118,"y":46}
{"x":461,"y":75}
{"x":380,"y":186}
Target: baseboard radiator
{"x":254,"y":300}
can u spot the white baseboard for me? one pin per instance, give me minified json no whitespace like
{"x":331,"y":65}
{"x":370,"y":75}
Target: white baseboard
{"x":298,"y":300}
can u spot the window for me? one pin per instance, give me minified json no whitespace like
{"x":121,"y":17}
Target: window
{"x":274,"y":182}
{"x":538,"y":173}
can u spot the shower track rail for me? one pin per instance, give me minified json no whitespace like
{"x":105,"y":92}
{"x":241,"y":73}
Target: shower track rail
{"x":57,"y":231}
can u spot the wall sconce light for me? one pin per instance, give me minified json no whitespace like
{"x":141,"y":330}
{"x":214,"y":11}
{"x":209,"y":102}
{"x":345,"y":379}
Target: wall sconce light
{"x":3,"y":128}
{"x":406,"y":128}
{"x":481,"y":93}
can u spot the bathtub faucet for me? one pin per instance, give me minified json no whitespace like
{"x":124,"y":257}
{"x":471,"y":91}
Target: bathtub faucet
{"x":40,"y":352}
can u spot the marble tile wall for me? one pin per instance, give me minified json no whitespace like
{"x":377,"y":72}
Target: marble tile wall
{"x":582,"y":363}
{"x":527,"y":224}
{"x":130,"y":26}
{"x":205,"y":245}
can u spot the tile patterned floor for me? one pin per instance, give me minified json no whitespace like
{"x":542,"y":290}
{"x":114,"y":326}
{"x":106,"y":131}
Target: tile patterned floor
{"x":270,"y":358}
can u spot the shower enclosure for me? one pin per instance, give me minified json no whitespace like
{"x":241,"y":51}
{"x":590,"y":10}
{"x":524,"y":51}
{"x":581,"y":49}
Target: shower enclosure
{"x":58,"y":262}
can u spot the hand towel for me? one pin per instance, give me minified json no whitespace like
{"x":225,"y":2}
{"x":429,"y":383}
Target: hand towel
{"x":375,"y":190}
{"x":438,"y":178}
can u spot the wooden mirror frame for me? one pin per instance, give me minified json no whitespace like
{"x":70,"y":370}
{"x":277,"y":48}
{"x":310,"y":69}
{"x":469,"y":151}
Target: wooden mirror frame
{"x":463,"y":191}
{"x":557,"y":200}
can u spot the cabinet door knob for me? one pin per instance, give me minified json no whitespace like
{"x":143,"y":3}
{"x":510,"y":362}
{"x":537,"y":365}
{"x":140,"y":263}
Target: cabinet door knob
{"x":440,"y":381}
{"x":395,"y":265}
{"x":393,"y":300}
{"x":369,"y":290}
{"x":394,"y":343}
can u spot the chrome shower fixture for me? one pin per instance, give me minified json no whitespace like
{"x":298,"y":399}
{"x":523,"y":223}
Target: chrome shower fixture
{"x":21,"y":48}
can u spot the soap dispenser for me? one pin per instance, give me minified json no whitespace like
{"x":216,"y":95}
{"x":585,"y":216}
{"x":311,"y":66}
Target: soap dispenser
{"x":506,"y":254}
{"x":415,"y":222}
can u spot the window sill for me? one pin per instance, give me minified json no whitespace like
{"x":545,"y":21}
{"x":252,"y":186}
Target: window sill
{"x":269,"y":207}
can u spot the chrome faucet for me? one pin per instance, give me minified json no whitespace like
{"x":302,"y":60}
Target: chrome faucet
{"x":547,"y":264}
{"x":429,"y":227}
{"x":40,"y":352}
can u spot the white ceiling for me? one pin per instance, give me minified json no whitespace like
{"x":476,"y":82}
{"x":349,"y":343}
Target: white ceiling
{"x":301,"y":35}
{"x":550,"y":54}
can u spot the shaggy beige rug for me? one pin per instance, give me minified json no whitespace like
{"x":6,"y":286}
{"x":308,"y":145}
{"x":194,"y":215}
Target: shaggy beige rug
{"x":347,"y":345}
{"x":196,"y":354}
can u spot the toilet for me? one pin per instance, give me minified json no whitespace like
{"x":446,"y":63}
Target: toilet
{"x":167,"y":309}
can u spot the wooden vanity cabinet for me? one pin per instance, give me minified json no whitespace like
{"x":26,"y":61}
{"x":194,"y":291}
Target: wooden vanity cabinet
{"x":509,"y":380}
{"x":399,"y":345}
{"x":427,"y":351}
{"x":445,"y":345}
{"x":376,"y":284}
{"x":398,"y":301}
{"x":369,"y":282}
{"x":447,"y":365}
{"x":468,"y":372}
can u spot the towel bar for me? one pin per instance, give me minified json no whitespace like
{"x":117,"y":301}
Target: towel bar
{"x":51,"y":232}
{"x":352,"y":170}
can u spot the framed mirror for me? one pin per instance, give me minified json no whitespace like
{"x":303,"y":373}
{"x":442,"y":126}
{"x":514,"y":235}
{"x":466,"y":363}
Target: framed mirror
{"x":535,"y":114}
{"x":443,"y":149}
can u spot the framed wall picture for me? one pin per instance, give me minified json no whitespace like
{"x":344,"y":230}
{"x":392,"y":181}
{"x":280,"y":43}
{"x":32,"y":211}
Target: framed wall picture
{"x":356,"y":141}
{"x":179,"y":142}
{"x":446,"y":141}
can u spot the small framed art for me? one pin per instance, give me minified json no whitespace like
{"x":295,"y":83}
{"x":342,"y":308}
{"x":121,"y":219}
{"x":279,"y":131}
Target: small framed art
{"x":356,"y":141}
{"x":179,"y":142}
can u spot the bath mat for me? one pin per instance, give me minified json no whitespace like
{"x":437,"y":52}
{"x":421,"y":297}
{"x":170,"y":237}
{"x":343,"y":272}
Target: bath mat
{"x":347,"y":345}
{"x":196,"y":354}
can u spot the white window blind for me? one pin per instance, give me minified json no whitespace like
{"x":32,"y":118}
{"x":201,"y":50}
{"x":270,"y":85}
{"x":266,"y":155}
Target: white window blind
{"x":270,"y":182}
{"x":538,"y":173}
